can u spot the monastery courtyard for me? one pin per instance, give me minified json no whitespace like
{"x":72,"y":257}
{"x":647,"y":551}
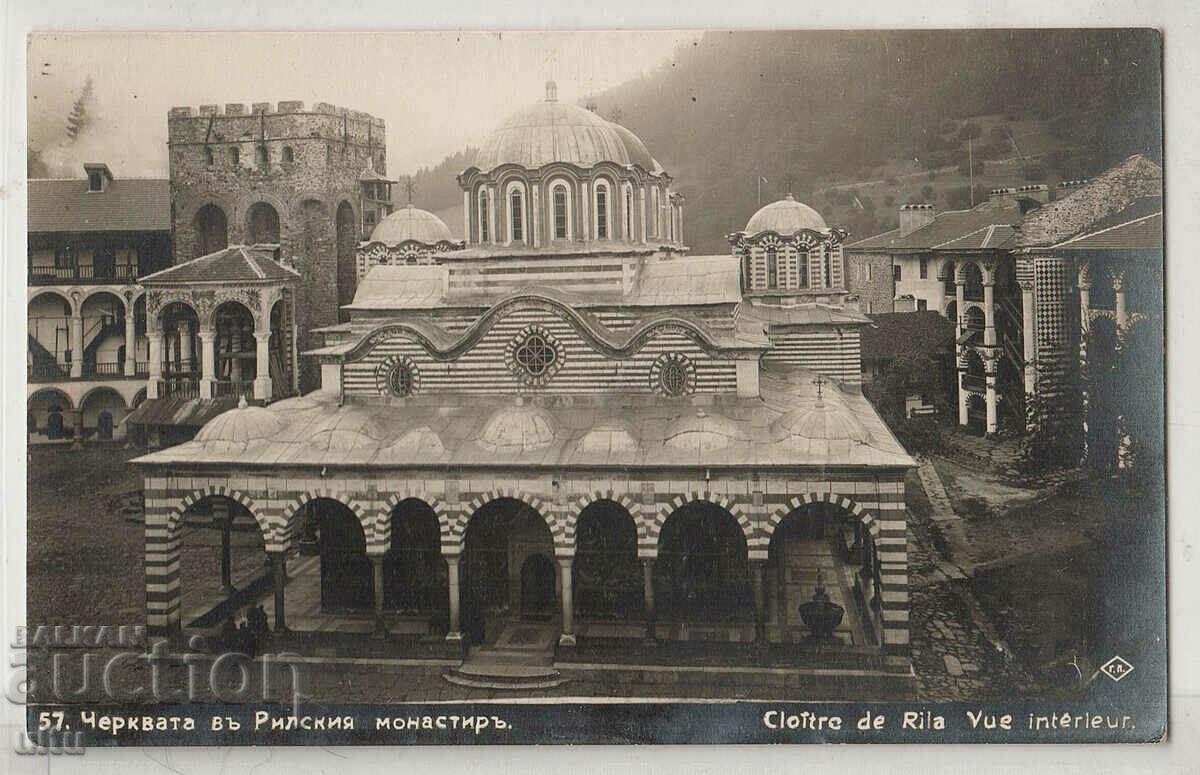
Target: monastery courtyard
{"x":984,"y":622}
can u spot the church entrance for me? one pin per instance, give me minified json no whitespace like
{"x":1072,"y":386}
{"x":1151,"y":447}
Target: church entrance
{"x":537,"y":588}
{"x":507,"y":573}
{"x":347,"y":578}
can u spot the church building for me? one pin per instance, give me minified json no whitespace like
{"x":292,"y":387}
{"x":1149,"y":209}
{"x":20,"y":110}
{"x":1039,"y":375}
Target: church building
{"x":569,"y":419}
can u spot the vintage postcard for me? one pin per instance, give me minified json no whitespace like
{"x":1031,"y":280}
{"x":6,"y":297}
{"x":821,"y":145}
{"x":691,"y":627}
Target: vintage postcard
{"x":570,"y":387}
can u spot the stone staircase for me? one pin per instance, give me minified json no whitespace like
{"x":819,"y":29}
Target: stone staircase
{"x":522,"y":657}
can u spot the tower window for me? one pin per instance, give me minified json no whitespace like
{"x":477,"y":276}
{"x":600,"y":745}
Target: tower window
{"x":483,"y":216}
{"x":235,"y":156}
{"x":924,"y":268}
{"x":628,"y":214}
{"x":287,"y":155}
{"x":261,"y":156}
{"x":517,"y":222}
{"x":602,"y":212}
{"x":772,"y":268}
{"x":560,"y":213}
{"x":897,"y":273}
{"x":802,"y":270}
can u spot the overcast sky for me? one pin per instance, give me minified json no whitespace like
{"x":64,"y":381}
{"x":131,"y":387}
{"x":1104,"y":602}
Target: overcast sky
{"x":438,"y":92}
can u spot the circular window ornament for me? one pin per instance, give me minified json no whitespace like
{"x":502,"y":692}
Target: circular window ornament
{"x":673,"y":375}
{"x":397,"y":376}
{"x":534,"y":355}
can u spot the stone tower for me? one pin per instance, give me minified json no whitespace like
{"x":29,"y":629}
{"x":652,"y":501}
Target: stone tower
{"x":277,"y":175}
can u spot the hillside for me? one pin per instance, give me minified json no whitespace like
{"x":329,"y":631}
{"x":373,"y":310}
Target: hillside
{"x":857,"y":123}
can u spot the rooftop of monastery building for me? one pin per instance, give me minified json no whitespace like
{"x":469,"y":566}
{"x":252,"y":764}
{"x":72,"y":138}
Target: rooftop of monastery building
{"x":236,"y":263}
{"x":794,"y":422}
{"x":127,"y":204}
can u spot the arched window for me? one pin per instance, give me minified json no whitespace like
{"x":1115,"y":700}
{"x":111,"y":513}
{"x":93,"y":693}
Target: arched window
{"x":629,"y":214}
{"x":772,"y":268}
{"x":601,"y":211}
{"x":516,"y":215}
{"x":654,"y":214}
{"x":483,"y":216}
{"x":560,"y":212}
{"x":261,"y":157}
{"x":828,"y":273}
{"x":235,"y":156}
{"x":208,"y":155}
{"x":802,"y":270}
{"x":287,"y":156}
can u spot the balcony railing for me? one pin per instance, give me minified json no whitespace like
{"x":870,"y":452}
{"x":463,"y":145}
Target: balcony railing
{"x":89,"y":272}
{"x":183,"y":387}
{"x":238,"y":387}
{"x":141,"y":368}
{"x":47,"y":372}
{"x":181,"y":366}
{"x":108,"y":369}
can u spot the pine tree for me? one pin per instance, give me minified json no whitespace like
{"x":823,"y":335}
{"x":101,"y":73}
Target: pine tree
{"x":79,"y":118}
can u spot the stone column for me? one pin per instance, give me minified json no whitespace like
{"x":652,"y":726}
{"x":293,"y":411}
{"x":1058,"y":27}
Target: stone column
{"x":455,"y":630}
{"x":759,"y":579}
{"x":962,"y":399}
{"x":130,"y":366}
{"x":224,"y":514}
{"x":1122,"y":310}
{"x":208,"y":362}
{"x":648,"y":593}
{"x":990,"y":398}
{"x":989,"y":339}
{"x":642,"y":215}
{"x":262,"y":365}
{"x":1028,"y":343}
{"x":279,"y":568}
{"x":568,"y":604}
{"x":960,"y":299}
{"x":76,"y":326}
{"x":154,"y":384}
{"x":467,"y":217}
{"x":377,"y":567}
{"x":186,"y":354}
{"x":77,"y":416}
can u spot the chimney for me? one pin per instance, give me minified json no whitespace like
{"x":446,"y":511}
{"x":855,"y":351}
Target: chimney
{"x":915,"y":216}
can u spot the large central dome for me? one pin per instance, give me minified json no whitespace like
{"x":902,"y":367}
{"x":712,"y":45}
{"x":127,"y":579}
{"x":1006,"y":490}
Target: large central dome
{"x":553,"y":131}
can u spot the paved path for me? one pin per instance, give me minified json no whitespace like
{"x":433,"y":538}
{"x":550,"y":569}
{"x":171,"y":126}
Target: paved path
{"x":957,"y":653}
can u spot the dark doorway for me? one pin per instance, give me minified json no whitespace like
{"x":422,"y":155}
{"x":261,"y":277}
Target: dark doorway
{"x":212,"y":230}
{"x":54,"y":423}
{"x":347,"y":582}
{"x":413,"y":572}
{"x":607,"y":575}
{"x":702,"y":572}
{"x":537,"y":588}
{"x":104,"y":426}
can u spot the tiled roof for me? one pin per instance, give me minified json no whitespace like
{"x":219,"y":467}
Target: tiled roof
{"x":176,"y":410}
{"x":684,"y":281}
{"x":237,"y":263}
{"x":1145,"y":233}
{"x":953,"y":230}
{"x":801,"y":315}
{"x":770,"y":430}
{"x":129,"y":204}
{"x":1104,"y":195}
{"x":916,"y":333}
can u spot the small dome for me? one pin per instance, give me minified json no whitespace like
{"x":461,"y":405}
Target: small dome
{"x":236,"y":429}
{"x":607,"y":438}
{"x":555,"y":131}
{"x":422,"y":442}
{"x":787,"y":216}
{"x":411,"y":224}
{"x":825,"y":421}
{"x":702,"y":432}
{"x":517,"y":429}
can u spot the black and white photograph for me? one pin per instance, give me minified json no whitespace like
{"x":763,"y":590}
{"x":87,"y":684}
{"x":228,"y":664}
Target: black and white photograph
{"x":616,"y":386}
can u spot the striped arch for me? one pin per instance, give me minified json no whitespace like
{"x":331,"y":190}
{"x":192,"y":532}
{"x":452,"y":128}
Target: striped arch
{"x":580,"y":502}
{"x":365,"y":518}
{"x":272,"y":528}
{"x":458,"y":527}
{"x":848,"y":504}
{"x":679,"y":501}
{"x":383,"y":522}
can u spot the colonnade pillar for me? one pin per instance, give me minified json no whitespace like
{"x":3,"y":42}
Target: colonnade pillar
{"x":130,"y":365}
{"x":187,"y":357}
{"x":567,"y":638}
{"x":377,"y":568}
{"x":208,"y":363}
{"x":262,"y":365}
{"x":648,"y":593}
{"x":279,"y":572}
{"x":989,"y":340}
{"x":758,"y":572}
{"x":1122,"y":309}
{"x":76,"y":326}
{"x":960,"y":300}
{"x":455,"y":630}
{"x":1028,"y":342}
{"x":77,"y":416}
